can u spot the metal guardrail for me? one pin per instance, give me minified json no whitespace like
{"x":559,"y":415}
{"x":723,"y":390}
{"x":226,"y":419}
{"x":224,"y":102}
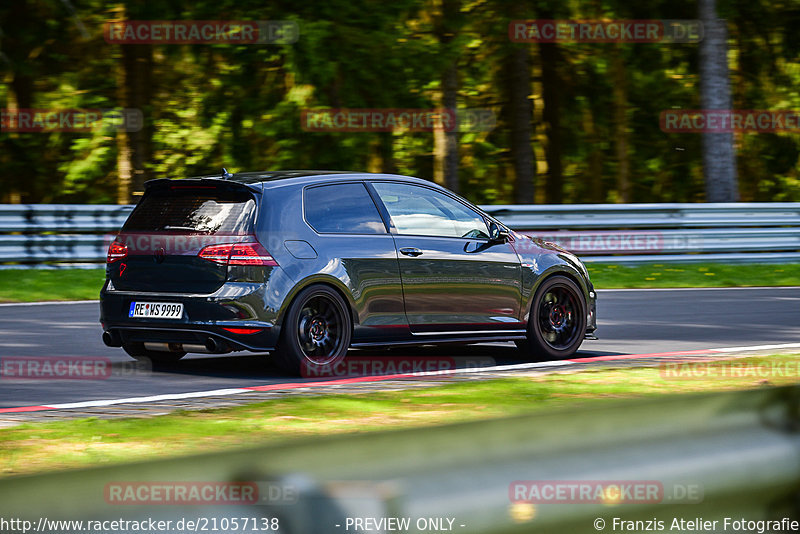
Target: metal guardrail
{"x":734,"y":455}
{"x":48,"y":235}
{"x":62,"y":218}
{"x":51,"y":234}
{"x":761,"y":232}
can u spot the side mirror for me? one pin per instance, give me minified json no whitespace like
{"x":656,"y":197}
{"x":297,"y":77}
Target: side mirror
{"x":497,"y":234}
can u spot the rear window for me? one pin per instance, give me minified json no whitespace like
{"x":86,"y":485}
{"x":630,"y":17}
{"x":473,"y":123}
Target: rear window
{"x":193,"y":210}
{"x":342,"y":209}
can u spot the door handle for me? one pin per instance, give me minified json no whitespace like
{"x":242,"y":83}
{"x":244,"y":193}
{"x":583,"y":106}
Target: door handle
{"x":411,"y":251}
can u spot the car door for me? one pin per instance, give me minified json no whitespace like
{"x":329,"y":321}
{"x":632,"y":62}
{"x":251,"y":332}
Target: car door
{"x":454,"y":278}
{"x":355,"y":246}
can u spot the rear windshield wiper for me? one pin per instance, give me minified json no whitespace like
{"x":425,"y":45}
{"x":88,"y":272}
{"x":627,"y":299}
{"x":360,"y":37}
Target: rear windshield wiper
{"x":187,"y":228}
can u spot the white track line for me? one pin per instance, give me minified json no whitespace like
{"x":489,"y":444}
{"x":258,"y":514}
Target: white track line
{"x":755,"y":348}
{"x":152,"y":398}
{"x":298,"y":385}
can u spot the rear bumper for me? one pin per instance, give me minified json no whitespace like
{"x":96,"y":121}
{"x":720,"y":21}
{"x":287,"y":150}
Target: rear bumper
{"x":204,"y":317}
{"x":190,"y":339}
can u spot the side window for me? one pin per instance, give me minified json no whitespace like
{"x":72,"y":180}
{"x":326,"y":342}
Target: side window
{"x":421,"y":211}
{"x":342,"y":209}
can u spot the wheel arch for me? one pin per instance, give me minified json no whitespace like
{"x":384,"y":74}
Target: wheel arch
{"x":319,"y":279}
{"x":559,"y":269}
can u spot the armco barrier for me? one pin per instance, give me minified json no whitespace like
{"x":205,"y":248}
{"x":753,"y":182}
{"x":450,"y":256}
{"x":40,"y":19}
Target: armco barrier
{"x":41,"y":235}
{"x":732,"y":455}
{"x":52,"y":234}
{"x":679,"y":233}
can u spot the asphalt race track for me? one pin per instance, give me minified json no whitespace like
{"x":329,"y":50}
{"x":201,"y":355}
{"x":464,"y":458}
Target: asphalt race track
{"x":630,"y":322}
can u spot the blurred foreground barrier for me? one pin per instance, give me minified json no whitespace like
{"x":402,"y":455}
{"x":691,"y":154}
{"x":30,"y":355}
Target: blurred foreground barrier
{"x":621,"y":233}
{"x":720,"y":457}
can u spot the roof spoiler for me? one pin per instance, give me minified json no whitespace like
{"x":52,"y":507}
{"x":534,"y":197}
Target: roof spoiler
{"x":220,"y":183}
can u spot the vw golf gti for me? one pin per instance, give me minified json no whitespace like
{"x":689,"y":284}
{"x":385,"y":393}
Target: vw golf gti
{"x":306,"y":264}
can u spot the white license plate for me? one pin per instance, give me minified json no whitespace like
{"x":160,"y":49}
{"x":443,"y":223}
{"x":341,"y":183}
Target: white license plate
{"x":156,"y":310}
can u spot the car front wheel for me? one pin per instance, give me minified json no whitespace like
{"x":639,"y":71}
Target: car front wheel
{"x":557,"y":321}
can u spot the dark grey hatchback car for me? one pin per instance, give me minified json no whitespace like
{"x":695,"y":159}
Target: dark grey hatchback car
{"x":305,"y":264}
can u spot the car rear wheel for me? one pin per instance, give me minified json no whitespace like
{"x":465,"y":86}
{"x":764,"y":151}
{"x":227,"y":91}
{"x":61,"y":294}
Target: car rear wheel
{"x":155,"y":357}
{"x":557,"y":320}
{"x":316,"y":331}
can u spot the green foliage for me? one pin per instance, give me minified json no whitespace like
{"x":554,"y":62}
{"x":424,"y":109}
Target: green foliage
{"x":239,"y":106}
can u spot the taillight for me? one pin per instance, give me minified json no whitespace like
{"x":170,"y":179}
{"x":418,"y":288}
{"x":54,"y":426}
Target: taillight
{"x":248,"y":253}
{"x":216,"y":253}
{"x":116,"y":251}
{"x":243,"y":330}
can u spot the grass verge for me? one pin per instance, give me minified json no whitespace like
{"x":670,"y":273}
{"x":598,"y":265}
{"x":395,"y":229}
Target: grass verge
{"x":32,"y":285}
{"x":611,"y":276}
{"x":40,"y":447}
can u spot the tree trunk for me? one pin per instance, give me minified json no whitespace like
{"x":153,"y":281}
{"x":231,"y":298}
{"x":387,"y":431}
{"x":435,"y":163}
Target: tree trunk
{"x":594,"y":181}
{"x":124,"y":171}
{"x":621,"y":127}
{"x":520,"y":115}
{"x":381,"y":156}
{"x":137,"y":61}
{"x":719,"y":157}
{"x":445,"y":141}
{"x":551,"y":86}
{"x":134,"y":91}
{"x":20,"y":150}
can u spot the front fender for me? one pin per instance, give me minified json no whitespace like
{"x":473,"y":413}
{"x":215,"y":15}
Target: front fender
{"x":541,"y":260}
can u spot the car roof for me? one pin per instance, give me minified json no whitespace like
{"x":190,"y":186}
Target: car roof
{"x":286,"y":177}
{"x":265,"y":176}
{"x":270,"y":179}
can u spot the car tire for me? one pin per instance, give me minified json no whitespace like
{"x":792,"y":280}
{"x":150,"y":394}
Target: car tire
{"x":316,"y":332}
{"x":557,"y":321}
{"x":155,"y":357}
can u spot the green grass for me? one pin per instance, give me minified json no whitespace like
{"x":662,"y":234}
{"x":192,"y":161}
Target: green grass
{"x":30,"y":285}
{"x":40,"y":447}
{"x":610,"y":276}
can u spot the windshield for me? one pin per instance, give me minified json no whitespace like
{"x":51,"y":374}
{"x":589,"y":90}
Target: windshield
{"x":203,"y":210}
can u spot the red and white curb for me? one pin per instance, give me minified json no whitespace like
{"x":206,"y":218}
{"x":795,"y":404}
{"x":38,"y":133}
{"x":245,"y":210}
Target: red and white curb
{"x":383,"y":378}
